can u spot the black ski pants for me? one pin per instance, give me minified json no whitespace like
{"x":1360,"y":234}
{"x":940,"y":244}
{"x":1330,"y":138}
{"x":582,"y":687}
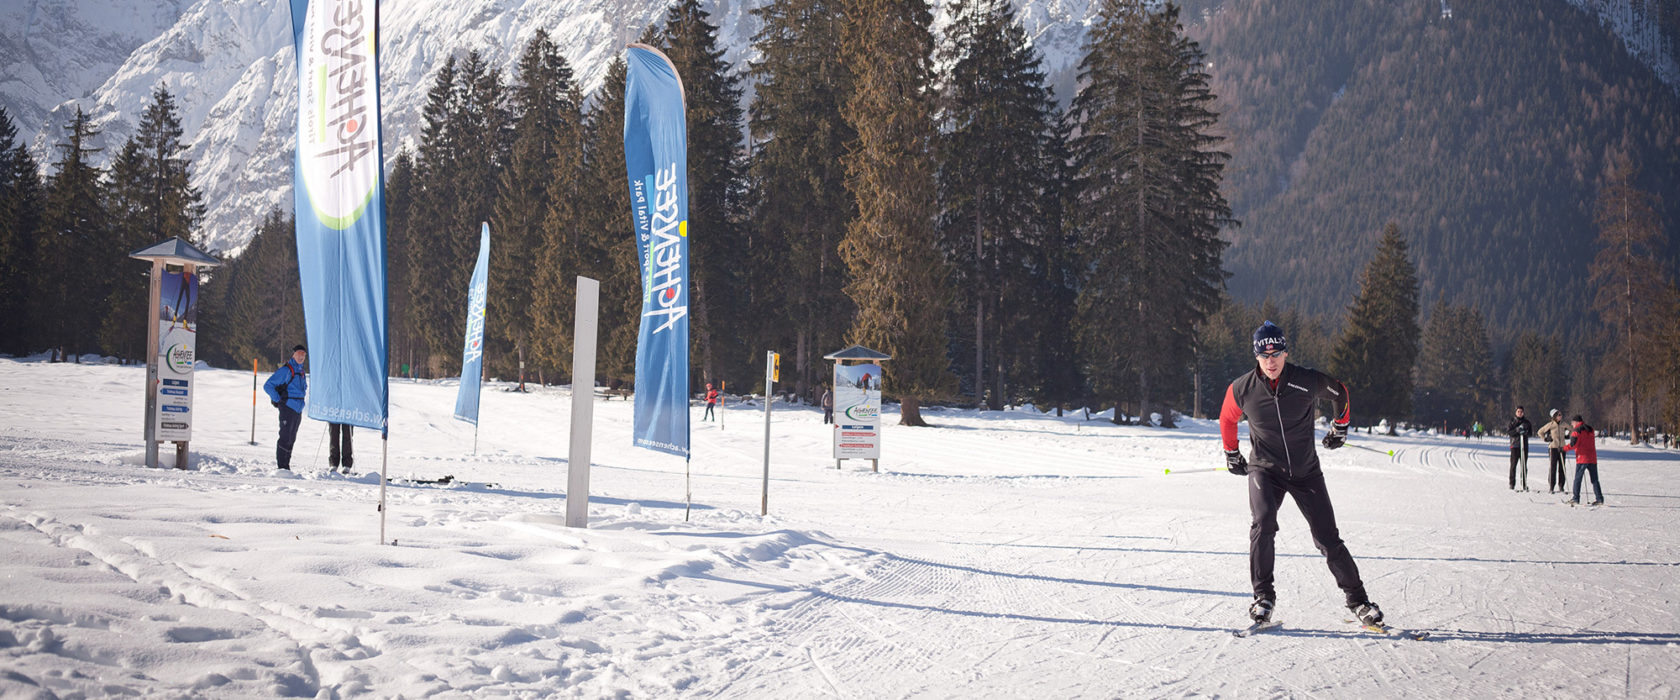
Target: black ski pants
{"x":1519,"y":455}
{"x":341,"y":451}
{"x":1266,"y":489}
{"x":1554,"y":476}
{"x":289,"y":422}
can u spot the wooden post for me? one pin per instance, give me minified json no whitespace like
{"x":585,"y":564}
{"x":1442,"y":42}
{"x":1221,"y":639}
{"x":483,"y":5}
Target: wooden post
{"x":155,"y":296}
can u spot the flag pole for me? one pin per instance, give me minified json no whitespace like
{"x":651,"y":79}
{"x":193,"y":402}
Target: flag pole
{"x":384,"y":454}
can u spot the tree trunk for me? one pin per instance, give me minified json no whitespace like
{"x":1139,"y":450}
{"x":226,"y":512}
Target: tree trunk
{"x":997,"y":383}
{"x":979,"y":310}
{"x":910,"y":412}
{"x":802,"y":362}
{"x":1143,"y":398}
{"x":519,"y":347}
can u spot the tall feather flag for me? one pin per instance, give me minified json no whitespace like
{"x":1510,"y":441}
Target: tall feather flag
{"x":656,"y":162}
{"x":338,"y":194}
{"x":472,"y":354}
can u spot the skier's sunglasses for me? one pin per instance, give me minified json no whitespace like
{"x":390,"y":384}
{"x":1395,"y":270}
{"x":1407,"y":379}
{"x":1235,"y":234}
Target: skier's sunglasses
{"x":1270,"y":355}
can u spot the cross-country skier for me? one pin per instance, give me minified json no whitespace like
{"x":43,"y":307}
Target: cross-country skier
{"x":286,"y":389}
{"x":711,"y":402}
{"x":1556,"y":435}
{"x":1583,"y":442}
{"x":1277,"y":400}
{"x":1519,"y":430}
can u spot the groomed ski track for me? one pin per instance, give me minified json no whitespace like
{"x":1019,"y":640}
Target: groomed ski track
{"x":1001,"y":554}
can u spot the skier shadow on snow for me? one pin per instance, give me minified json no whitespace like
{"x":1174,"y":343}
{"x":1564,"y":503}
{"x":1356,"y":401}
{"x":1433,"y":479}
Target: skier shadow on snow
{"x":803,"y":539}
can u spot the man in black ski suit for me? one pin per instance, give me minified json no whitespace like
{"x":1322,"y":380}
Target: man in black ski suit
{"x":1519,"y":430}
{"x":1277,"y":400}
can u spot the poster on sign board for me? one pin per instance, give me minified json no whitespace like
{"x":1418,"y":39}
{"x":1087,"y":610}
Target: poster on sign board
{"x":177,"y":319}
{"x":857,"y":411}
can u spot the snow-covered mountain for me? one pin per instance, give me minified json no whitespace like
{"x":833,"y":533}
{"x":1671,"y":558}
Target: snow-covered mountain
{"x":229,"y":63}
{"x":51,"y":51}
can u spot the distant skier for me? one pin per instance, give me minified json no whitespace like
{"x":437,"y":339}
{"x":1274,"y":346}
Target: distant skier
{"x":286,"y":389}
{"x":1556,"y":435}
{"x":711,"y":402}
{"x":1519,"y":430}
{"x":828,"y":405}
{"x":1582,"y":440}
{"x":1277,"y":400}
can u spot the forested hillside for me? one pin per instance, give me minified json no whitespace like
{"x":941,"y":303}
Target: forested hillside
{"x":1484,"y":136}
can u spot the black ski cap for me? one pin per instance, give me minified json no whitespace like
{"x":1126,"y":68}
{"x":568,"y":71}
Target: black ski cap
{"x":1269,"y":338}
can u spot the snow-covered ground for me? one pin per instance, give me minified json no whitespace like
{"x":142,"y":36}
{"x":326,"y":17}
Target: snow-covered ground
{"x":1001,"y":554}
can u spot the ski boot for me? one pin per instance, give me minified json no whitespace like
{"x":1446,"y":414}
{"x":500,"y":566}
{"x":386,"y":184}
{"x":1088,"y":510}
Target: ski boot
{"x":1261,"y":610}
{"x":1367,"y":613}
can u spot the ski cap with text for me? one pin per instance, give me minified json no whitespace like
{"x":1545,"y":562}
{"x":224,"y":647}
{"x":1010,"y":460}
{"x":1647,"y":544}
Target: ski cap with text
{"x":1269,"y":338}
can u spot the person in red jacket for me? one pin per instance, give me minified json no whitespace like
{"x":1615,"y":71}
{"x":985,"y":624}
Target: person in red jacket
{"x":711,"y":402}
{"x":1277,"y":399}
{"x":1583,"y":442}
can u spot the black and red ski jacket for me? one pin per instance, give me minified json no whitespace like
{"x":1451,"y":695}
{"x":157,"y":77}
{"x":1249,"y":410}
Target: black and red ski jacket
{"x":1280,"y":416}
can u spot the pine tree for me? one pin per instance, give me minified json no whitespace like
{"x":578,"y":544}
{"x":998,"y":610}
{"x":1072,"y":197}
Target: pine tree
{"x":1455,"y":382}
{"x":1149,"y":209}
{"x":716,"y":189}
{"x":996,"y":117}
{"x":800,"y":202}
{"x":400,"y":186}
{"x":1378,"y":347}
{"x":21,"y":202}
{"x":535,"y":239}
{"x":464,"y":144}
{"x":150,"y":199}
{"x":898,"y":280}
{"x":1629,"y":285}
{"x":253,"y":304}
{"x":1536,"y":371}
{"x":608,"y":249}
{"x":435,"y":173}
{"x":74,"y":277}
{"x":1060,"y":381}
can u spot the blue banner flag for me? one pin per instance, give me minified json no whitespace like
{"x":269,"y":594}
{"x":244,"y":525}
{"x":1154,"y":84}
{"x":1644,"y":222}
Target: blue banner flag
{"x":656,"y":161}
{"x":472,"y":355}
{"x":338,"y":194}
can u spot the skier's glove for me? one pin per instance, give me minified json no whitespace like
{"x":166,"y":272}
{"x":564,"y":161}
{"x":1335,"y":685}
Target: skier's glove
{"x":1235,"y":463}
{"x":276,"y":403}
{"x":1336,"y":437}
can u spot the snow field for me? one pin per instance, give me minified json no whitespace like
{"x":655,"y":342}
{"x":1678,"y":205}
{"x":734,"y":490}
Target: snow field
{"x":1002,"y":554}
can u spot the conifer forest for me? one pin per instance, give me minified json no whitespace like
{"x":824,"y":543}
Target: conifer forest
{"x":1108,"y":239}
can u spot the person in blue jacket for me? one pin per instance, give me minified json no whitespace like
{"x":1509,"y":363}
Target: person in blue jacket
{"x":286,"y":389}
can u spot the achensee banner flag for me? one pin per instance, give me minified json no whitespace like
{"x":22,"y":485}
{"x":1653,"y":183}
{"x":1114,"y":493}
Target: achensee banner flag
{"x":338,"y":192}
{"x":656,"y":160}
{"x":472,"y":355}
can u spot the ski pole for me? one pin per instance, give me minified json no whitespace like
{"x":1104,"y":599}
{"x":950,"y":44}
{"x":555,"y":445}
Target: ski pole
{"x":1371,"y":449}
{"x":1198,"y":471}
